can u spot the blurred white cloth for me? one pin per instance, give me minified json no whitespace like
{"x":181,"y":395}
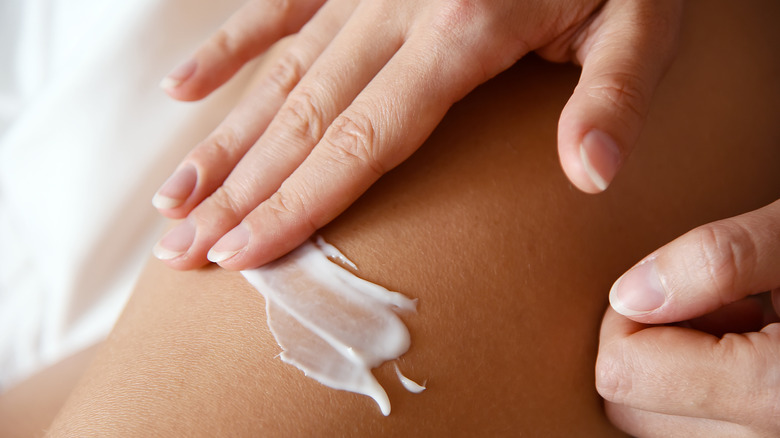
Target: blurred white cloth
{"x":86,"y":137}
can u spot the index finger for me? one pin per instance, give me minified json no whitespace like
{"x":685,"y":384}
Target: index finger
{"x":684,"y":372}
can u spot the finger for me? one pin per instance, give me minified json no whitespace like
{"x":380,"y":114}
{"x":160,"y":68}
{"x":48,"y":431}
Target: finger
{"x":326,"y":89}
{"x":651,"y":424}
{"x":624,"y":55}
{"x":383,"y":126}
{"x":703,"y":270}
{"x":209,"y":163}
{"x":249,"y":32}
{"x":683,"y":372}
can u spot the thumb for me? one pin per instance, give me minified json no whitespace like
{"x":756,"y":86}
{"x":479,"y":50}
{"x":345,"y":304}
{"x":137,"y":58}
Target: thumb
{"x":704,"y":269}
{"x":627,"y":48}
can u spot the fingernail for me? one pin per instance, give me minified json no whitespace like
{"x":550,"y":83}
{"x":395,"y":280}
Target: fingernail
{"x":601,"y":157}
{"x":230,"y":244}
{"x":638,"y":291}
{"x":176,"y":242}
{"x":178,"y":75}
{"x":177,"y":188}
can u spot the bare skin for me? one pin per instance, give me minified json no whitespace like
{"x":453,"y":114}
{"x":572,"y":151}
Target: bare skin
{"x":511,"y":264}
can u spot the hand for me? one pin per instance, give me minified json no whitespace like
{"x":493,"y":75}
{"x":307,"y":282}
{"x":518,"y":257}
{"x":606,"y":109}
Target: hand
{"x":672,"y":381}
{"x":362,"y":86}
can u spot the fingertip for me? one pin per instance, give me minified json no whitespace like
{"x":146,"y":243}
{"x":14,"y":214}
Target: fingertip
{"x":175,"y":242}
{"x":639,"y":291}
{"x":617,"y":305}
{"x":592,"y":163}
{"x":176,"y":190}
{"x":261,"y":238}
{"x":196,"y":78}
{"x":162,"y":202}
{"x":178,"y":76}
{"x":589,"y":150}
{"x":165,"y":254}
{"x":601,"y":158}
{"x":230,"y":245}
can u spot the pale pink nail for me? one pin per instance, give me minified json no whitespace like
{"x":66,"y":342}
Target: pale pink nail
{"x":178,"y":75}
{"x":177,"y":188}
{"x":638,"y":291}
{"x":230,"y":244}
{"x":176,"y":242}
{"x":601,"y":157}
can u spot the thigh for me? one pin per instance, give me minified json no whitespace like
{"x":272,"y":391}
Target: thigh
{"x":511,"y":265}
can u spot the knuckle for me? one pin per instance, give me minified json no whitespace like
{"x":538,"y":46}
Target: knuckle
{"x":290,"y":206}
{"x":283,"y":6}
{"x":352,"y":141}
{"x":226,"y":43}
{"x":622,"y":91}
{"x":455,"y":14}
{"x":285,"y":203}
{"x":222,"y":40}
{"x":727,"y":255}
{"x":286,"y":72}
{"x":222,"y":145}
{"x":237,"y":39}
{"x":226,"y":206}
{"x":301,"y":117}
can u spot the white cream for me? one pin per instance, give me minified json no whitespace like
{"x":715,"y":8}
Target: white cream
{"x":331,"y":324}
{"x":408,"y":383}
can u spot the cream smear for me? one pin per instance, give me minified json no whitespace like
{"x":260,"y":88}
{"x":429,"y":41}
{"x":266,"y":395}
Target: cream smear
{"x":331,"y":324}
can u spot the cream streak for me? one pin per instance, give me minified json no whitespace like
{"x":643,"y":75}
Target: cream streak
{"x":331,"y":324}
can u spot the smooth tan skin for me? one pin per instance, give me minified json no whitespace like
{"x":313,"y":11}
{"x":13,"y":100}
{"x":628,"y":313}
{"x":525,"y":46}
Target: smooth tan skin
{"x":511,"y":264}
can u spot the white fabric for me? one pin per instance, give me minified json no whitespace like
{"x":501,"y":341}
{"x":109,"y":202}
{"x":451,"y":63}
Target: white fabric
{"x":86,"y":137}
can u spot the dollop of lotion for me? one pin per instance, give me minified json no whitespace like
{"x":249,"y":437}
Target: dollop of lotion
{"x":331,"y":324}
